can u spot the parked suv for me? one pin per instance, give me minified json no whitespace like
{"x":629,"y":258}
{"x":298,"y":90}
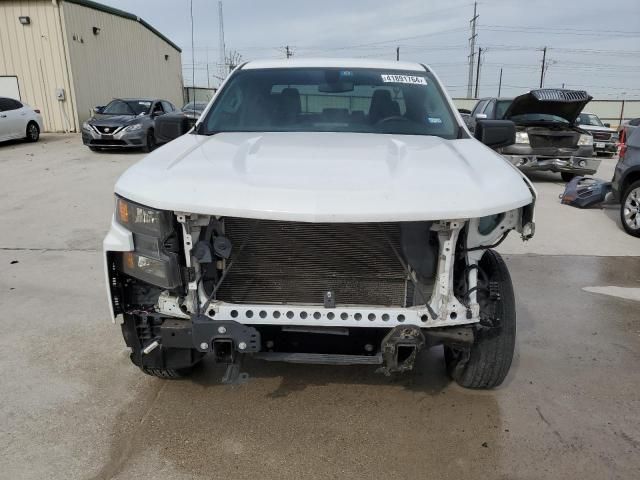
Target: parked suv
{"x":626,"y":178}
{"x":124,"y":123}
{"x":605,"y":138}
{"x":321,"y":211}
{"x":547,"y":137}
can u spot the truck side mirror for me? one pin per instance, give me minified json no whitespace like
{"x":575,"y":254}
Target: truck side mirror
{"x":169,"y":127}
{"x":496,"y":133}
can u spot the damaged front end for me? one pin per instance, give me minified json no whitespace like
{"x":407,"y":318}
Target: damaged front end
{"x":547,"y":137}
{"x":188,"y":285}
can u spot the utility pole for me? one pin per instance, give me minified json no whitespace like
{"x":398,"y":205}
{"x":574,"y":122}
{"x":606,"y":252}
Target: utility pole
{"x":397,"y":54}
{"x":208,"y":77}
{"x":223,"y":54}
{"x":288,"y":52}
{"x":472,"y":47}
{"x":478,"y":70}
{"x":544,"y":65}
{"x":500,"y":82}
{"x":622,"y":109}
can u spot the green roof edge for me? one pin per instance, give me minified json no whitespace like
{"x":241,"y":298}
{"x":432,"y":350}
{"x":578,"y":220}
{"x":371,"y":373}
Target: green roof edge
{"x":123,"y":14}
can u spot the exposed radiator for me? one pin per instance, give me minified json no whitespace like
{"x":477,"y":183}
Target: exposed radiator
{"x":296,"y":262}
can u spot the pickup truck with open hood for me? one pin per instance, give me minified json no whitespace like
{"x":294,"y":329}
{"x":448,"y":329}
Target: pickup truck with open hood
{"x":548,"y":137}
{"x":321,"y":211}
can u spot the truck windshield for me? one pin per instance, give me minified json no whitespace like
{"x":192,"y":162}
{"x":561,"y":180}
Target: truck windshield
{"x":332,"y":100}
{"x":589,"y":119}
{"x":525,"y":118}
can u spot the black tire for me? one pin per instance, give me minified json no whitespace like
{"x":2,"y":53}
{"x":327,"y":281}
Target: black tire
{"x":32,"y":132}
{"x":488,"y":361}
{"x":630,"y":209}
{"x":150,"y":144}
{"x":167,"y":373}
{"x":567,"y":176}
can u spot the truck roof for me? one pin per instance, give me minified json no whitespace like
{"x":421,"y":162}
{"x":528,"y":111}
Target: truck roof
{"x":333,"y":63}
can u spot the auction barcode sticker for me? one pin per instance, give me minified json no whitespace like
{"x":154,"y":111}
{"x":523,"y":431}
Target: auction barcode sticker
{"x":410,"y":79}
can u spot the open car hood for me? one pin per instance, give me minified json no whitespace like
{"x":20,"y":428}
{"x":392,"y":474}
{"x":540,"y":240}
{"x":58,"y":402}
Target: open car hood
{"x":566,"y":104}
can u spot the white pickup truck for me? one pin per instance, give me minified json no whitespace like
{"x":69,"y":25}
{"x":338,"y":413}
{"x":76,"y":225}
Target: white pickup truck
{"x":321,"y":211}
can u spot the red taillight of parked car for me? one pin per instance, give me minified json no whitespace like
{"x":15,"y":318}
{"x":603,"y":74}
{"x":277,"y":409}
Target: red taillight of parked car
{"x":623,"y":143}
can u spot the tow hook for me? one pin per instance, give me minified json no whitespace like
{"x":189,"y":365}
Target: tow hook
{"x":229,"y":341}
{"x":400,"y":348}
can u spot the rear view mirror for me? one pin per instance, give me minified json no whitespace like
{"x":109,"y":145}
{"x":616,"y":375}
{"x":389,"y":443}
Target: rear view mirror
{"x":496,"y":133}
{"x":608,"y":125}
{"x":337,"y":87}
{"x":98,"y":109}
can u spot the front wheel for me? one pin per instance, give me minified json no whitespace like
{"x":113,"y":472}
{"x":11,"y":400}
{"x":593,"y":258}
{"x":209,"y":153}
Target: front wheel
{"x":150,"y":143}
{"x":487,"y":362}
{"x":567,"y":176}
{"x":630,"y":209}
{"x":33,"y":132}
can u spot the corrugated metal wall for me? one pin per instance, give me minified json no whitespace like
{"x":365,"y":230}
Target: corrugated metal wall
{"x":35,"y":54}
{"x":124,"y":60}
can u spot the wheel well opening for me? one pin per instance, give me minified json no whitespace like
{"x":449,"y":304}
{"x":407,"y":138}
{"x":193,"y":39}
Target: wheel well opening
{"x":630,"y":179}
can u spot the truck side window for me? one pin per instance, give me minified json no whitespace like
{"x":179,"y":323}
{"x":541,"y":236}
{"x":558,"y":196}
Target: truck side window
{"x":478,"y":108}
{"x":489,"y":109}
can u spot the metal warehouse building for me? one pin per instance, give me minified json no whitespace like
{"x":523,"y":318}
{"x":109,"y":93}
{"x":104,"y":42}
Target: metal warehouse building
{"x":67,"y":56}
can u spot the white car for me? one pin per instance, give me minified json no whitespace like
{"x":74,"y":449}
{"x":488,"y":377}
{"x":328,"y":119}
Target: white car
{"x":19,"y":120}
{"x":321,"y":211}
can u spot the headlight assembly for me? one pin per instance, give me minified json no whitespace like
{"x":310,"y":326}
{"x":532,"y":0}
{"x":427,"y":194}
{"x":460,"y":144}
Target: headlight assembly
{"x":161,"y":272}
{"x":143,"y":220}
{"x":585,"y":140}
{"x":488,"y":224}
{"x":86,"y":126}
{"x":522,"y":137}
{"x":134,"y":127}
{"x":155,"y":256}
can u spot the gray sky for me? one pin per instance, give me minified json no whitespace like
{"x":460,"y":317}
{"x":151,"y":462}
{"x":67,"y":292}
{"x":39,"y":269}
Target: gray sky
{"x":593,"y":44}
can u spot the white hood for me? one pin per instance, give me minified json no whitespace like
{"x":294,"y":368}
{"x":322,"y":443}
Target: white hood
{"x":326,"y":177}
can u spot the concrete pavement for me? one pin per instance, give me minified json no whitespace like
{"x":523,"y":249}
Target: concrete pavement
{"x":73,"y":407}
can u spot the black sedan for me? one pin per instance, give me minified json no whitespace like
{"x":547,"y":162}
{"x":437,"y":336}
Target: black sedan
{"x":125,"y":123}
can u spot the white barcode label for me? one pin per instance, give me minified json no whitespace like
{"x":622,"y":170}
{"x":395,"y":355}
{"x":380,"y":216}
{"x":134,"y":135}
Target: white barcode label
{"x":410,"y":79}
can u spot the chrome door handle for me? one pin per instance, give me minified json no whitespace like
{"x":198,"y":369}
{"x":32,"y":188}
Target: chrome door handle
{"x":3,"y":116}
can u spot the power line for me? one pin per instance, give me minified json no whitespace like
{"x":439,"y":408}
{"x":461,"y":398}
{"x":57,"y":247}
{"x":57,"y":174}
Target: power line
{"x":567,"y":31}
